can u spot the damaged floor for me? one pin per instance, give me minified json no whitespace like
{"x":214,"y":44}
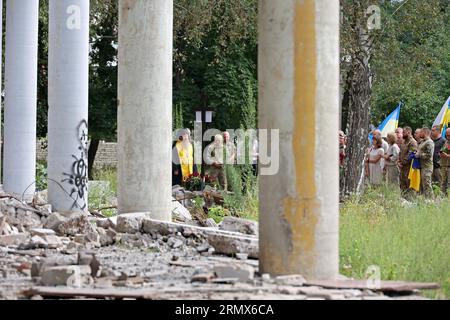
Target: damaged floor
{"x":49,"y":255}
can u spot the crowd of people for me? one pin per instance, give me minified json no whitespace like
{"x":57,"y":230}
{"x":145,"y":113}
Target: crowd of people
{"x":403,"y":154}
{"x":222,"y":151}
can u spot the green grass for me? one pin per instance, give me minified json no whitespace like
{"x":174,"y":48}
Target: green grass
{"x":107,"y":174}
{"x":407,"y":241}
{"x":100,"y":198}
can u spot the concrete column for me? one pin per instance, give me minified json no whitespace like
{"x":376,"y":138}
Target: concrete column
{"x":68,"y":104}
{"x":145,"y":107}
{"x":20,"y":97}
{"x":1,"y":88}
{"x":299,"y":95}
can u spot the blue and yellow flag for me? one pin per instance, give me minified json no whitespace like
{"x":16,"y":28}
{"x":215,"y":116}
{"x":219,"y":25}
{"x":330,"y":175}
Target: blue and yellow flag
{"x":414,"y":175}
{"x":443,"y":118}
{"x":390,"y":123}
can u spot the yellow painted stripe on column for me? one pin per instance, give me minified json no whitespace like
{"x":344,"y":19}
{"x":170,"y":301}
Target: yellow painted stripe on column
{"x":301,"y":211}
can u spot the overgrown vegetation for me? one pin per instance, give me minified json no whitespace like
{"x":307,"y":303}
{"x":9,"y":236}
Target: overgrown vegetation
{"x":407,"y":240}
{"x":102,"y":197}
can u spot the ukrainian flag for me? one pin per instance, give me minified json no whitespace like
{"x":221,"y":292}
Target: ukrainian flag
{"x":414,"y":175}
{"x":443,"y":118}
{"x":390,"y":123}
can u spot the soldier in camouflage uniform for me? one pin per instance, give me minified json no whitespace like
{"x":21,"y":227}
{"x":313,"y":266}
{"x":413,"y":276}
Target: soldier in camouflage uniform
{"x":425,"y":154}
{"x":445,"y":164}
{"x":407,"y":146}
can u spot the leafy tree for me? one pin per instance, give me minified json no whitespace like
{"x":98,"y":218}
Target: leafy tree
{"x":412,"y":62}
{"x":103,"y":75}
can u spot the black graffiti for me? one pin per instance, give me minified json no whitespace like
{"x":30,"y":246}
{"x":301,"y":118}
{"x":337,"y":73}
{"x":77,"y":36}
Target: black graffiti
{"x":78,"y":177}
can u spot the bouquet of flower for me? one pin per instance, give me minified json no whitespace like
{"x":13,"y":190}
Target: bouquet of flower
{"x":193,"y":182}
{"x":446,"y":148}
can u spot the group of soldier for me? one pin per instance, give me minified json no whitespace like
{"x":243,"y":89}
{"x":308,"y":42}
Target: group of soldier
{"x":425,"y":150}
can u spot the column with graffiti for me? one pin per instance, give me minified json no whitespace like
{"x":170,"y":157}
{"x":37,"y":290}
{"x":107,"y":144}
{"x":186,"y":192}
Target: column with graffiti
{"x":68,"y":104}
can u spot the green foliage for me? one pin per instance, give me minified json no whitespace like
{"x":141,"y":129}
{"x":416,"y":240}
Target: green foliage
{"x":249,"y":113}
{"x":214,"y":57}
{"x":412,"y":62}
{"x":243,"y":200}
{"x":103,"y":69}
{"x":101,"y":197}
{"x":407,"y":240}
{"x":178,"y":121}
{"x":109,"y":175}
{"x":41,"y":176}
{"x":217,"y":213}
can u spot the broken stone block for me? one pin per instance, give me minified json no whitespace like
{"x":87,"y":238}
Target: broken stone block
{"x":28,"y":219}
{"x":42,"y":232}
{"x":45,"y":209}
{"x":76,"y":224}
{"x":72,"y":248}
{"x":53,"y":221}
{"x":105,"y":223}
{"x":242,"y":272}
{"x":13,"y":239}
{"x":179,"y":212}
{"x":202,"y":277}
{"x":38,"y":242}
{"x":92,"y":235}
{"x":203,"y":247}
{"x":79,"y":238}
{"x":53,"y":241}
{"x":210,"y":223}
{"x":174,"y":242}
{"x":153,"y":226}
{"x":40,"y":198}
{"x":5,"y":228}
{"x":37,"y":268}
{"x":241,"y":256}
{"x":291,"y":280}
{"x":230,"y":244}
{"x":107,"y":237}
{"x":265,"y":277}
{"x":89,"y":259}
{"x":240,"y":225}
{"x":131,"y":222}
{"x":72,"y":276}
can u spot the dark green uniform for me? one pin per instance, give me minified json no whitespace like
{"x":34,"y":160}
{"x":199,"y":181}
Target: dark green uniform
{"x":445,"y":168}
{"x":409,"y":145}
{"x":425,"y":154}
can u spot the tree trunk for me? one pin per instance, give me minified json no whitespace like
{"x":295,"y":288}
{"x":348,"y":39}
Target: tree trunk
{"x":359,"y":94}
{"x":93,"y":147}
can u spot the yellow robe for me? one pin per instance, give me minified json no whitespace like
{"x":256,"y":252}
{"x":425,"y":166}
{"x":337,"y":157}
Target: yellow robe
{"x":186,"y":160}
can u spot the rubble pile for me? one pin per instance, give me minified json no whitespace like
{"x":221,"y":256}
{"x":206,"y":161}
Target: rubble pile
{"x":45,"y":253}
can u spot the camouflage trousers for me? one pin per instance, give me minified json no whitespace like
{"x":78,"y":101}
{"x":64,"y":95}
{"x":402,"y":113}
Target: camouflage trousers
{"x":404,"y":181}
{"x":437,"y":175}
{"x":392,"y":175}
{"x":220,"y":175}
{"x":425,"y":181}
{"x":445,"y":182}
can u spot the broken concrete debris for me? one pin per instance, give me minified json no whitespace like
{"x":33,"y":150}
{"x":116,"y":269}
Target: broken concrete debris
{"x":71,"y":276}
{"x":152,"y":259}
{"x":241,"y":272}
{"x":240,"y":225}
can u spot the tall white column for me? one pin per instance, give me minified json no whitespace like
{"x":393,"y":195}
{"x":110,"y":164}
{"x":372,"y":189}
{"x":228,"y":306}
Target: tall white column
{"x":1,"y":88}
{"x":145,"y":107}
{"x":68,"y":104}
{"x":20,"y":96}
{"x":299,"y":95}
